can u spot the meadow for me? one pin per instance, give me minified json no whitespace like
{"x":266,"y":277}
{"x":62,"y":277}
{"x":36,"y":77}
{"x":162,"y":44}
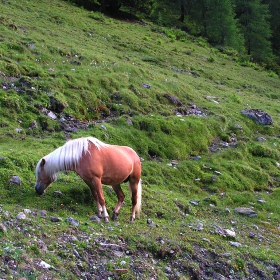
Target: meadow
{"x":67,"y":72}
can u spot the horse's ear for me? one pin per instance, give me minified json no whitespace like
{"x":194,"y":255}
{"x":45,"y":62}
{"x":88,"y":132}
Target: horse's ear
{"x":43,"y":161}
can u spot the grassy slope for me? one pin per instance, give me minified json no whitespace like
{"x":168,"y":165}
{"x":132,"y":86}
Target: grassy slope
{"x":96,"y":66}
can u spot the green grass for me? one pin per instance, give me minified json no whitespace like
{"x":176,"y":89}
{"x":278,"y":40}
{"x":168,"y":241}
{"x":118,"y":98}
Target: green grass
{"x":97,"y":67}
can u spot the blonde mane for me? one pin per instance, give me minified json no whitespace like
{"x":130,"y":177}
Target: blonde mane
{"x":68,"y":155}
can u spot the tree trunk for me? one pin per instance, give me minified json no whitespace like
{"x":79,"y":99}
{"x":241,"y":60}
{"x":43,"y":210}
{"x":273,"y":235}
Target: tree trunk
{"x":182,"y":17}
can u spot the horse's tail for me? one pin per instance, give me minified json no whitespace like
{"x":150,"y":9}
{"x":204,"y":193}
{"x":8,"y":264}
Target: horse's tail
{"x":139,"y":198}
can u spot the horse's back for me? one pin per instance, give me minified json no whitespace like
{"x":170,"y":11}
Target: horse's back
{"x":113,"y":164}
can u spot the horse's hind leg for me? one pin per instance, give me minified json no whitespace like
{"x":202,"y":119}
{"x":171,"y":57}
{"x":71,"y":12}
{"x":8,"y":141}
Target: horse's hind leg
{"x":136,"y":197}
{"x":120,"y":195}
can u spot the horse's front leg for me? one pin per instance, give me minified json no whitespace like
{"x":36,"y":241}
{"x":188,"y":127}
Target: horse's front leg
{"x":97,"y":188}
{"x":99,"y":208}
{"x":121,"y":196}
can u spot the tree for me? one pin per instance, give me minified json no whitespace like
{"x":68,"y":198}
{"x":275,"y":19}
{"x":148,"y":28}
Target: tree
{"x":221,"y":25}
{"x":274,"y":8}
{"x":254,"y":17}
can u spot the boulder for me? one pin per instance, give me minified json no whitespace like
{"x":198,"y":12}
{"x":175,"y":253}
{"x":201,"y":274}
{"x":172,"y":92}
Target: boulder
{"x":259,"y":116}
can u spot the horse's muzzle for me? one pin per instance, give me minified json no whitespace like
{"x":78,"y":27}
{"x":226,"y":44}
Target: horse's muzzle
{"x":39,"y":189}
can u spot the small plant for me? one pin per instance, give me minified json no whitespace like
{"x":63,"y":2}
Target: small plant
{"x":272,"y":74}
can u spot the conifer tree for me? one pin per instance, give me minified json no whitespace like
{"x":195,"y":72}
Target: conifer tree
{"x":221,"y":24}
{"x":254,"y":17}
{"x":274,"y":8}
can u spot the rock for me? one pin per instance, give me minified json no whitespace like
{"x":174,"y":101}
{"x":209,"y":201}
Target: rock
{"x":252,"y":234}
{"x":173,"y":99}
{"x":76,"y":253}
{"x":129,"y":121}
{"x":235,"y":244}
{"x":21,"y":216}
{"x":72,"y":221}
{"x":15,"y":180}
{"x":245,"y":211}
{"x":206,"y":240}
{"x":27,"y":211}
{"x":150,"y":223}
{"x":255,"y":227}
{"x":44,"y":265}
{"x":259,"y":116}
{"x":199,"y":226}
{"x":146,"y":85}
{"x":56,"y":105}
{"x":55,"y":219}
{"x":43,"y":213}
{"x":52,"y":115}
{"x":95,"y":219}
{"x":261,"y":139}
{"x":3,"y":228}
{"x":122,"y":262}
{"x":118,"y":253}
{"x":168,"y":269}
{"x":194,"y":202}
{"x":230,"y":233}
{"x":238,"y":126}
{"x":34,"y":125}
{"x":57,"y":193}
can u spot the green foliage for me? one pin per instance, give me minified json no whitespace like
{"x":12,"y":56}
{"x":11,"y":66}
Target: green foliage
{"x":221,"y":25}
{"x":256,"y":29}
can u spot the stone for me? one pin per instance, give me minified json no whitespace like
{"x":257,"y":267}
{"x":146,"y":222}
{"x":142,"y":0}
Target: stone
{"x":72,"y":221}
{"x":56,"y":105}
{"x":150,"y":223}
{"x":55,"y":219}
{"x":43,"y":213}
{"x":57,"y":193}
{"x":27,"y":211}
{"x":44,"y":265}
{"x":194,"y":202}
{"x":230,"y":233}
{"x":245,"y":211}
{"x":235,"y":244}
{"x":3,"y":228}
{"x":95,"y":219}
{"x":21,"y":216}
{"x":15,"y":180}
{"x":252,"y":234}
{"x":259,"y":116}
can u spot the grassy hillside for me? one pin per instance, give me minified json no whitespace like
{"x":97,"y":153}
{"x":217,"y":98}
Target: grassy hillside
{"x":66,"y":73}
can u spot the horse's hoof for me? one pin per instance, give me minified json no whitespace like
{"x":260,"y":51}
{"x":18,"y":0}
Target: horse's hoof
{"x":115,"y":217}
{"x":132,"y":220}
{"x":106,"y":219}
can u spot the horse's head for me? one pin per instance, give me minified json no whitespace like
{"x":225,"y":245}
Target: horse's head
{"x":43,"y":178}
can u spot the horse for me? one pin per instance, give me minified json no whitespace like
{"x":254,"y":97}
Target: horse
{"x":97,"y":163}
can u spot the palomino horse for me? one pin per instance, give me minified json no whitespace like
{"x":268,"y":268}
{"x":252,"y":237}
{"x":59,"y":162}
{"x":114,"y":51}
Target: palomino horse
{"x":96,"y":163}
